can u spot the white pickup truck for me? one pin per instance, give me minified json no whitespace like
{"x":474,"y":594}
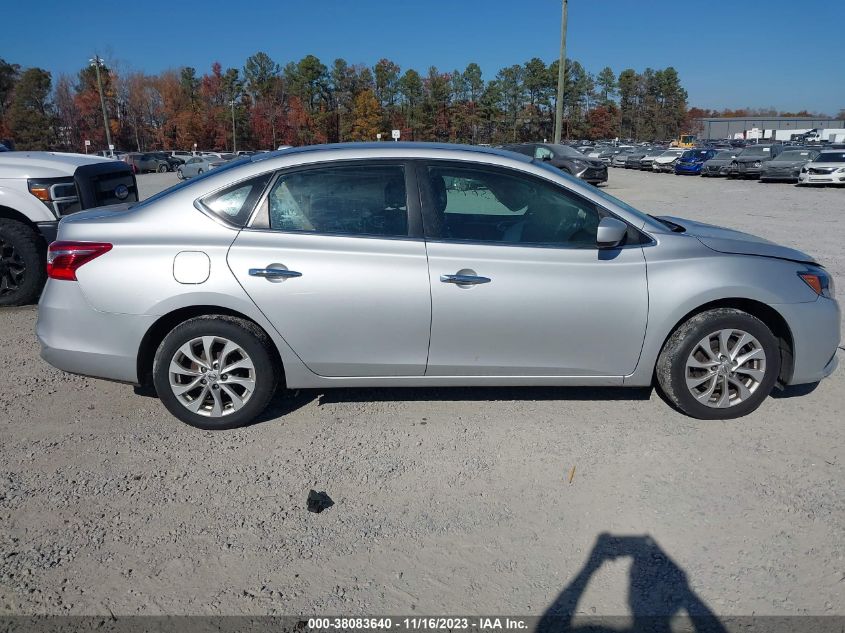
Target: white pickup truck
{"x":36,"y":190}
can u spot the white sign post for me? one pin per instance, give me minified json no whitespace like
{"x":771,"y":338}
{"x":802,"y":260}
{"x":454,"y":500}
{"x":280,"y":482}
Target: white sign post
{"x":87,"y":145}
{"x":378,"y":136}
{"x":395,"y":134}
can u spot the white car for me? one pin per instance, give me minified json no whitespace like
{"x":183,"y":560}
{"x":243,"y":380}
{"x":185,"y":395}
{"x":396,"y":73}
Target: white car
{"x":666,"y":161}
{"x":828,"y":168}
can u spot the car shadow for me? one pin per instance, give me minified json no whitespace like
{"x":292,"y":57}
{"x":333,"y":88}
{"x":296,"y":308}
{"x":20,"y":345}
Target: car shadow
{"x":658,"y":593}
{"x":795,"y":391}
{"x":289,"y":400}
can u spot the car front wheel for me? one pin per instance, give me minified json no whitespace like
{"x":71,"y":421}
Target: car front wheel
{"x":215,"y":372}
{"x":720,"y":364}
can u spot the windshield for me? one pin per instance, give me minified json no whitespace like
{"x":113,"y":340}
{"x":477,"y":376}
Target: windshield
{"x":565,"y":151}
{"x":724,"y":155}
{"x":756,"y":151}
{"x":187,"y":183}
{"x":831,"y":157}
{"x":796,"y":156}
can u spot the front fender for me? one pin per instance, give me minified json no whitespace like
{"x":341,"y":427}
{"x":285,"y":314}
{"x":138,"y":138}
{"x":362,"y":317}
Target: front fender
{"x":25,"y":203}
{"x":683,"y":276}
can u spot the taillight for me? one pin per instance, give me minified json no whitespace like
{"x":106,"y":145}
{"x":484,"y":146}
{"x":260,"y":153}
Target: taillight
{"x":63,"y":258}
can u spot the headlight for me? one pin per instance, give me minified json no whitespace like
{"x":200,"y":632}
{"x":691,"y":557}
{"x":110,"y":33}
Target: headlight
{"x":757,"y":163}
{"x":580,"y":164}
{"x":840,"y":170}
{"x":819,"y":280}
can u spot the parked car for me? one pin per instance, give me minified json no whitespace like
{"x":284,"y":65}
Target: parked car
{"x":182,"y":155}
{"x":412,"y":264}
{"x":692,"y":161}
{"x":37,"y":189}
{"x":172,"y":161}
{"x":621,"y":158}
{"x":565,"y":158}
{"x":219,"y":155}
{"x":719,"y":164}
{"x":648,"y":159}
{"x":827,"y":168}
{"x":632,"y":160}
{"x":787,"y":165}
{"x":142,"y":163}
{"x":194,"y":167}
{"x":665,"y":163}
{"x":749,"y":161}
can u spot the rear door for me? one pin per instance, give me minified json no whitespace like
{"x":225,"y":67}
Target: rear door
{"x":518,"y":286}
{"x":336,"y":261}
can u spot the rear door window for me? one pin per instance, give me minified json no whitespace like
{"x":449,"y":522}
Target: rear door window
{"x":365,"y":200}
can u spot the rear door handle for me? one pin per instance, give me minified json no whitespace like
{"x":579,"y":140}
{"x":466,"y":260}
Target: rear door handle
{"x":464,"y":280}
{"x":274,"y":273}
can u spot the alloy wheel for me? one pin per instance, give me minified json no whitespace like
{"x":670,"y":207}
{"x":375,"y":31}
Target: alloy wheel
{"x":212,"y":376}
{"x":12,"y":268}
{"x":725,"y":368}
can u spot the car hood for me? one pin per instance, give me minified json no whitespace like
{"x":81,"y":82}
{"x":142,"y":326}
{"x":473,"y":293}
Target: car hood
{"x":726,"y":240}
{"x":752,"y":159}
{"x":666,"y":159}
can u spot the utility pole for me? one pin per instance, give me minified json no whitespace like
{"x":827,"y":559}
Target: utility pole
{"x":560,"y":75}
{"x":96,"y":62}
{"x":234,"y":136}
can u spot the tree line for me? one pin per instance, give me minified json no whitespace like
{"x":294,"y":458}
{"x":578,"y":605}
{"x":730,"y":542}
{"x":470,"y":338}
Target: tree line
{"x":306,"y":101}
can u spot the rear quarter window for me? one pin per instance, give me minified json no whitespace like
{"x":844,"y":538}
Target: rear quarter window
{"x":235,"y":203}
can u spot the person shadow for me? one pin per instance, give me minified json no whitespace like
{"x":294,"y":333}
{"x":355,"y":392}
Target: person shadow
{"x":658,"y":593}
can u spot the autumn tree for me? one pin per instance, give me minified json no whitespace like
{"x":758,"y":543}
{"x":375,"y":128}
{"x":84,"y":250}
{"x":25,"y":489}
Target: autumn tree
{"x":366,"y":117}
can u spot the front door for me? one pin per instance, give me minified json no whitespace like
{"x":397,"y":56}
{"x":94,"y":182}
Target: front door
{"x":518,"y":286}
{"x":332,"y":264}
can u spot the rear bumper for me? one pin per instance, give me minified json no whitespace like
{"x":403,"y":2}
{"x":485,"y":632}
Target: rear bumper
{"x":76,"y":338}
{"x":815,"y":334}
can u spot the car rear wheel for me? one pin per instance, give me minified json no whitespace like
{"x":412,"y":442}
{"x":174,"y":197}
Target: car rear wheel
{"x":22,"y":270}
{"x":162,"y":169}
{"x":179,"y":174}
{"x":720,"y":364}
{"x":215,"y":372}
{"x":199,"y":171}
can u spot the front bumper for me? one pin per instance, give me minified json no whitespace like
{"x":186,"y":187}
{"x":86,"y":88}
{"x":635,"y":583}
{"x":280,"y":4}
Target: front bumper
{"x":48,"y":230}
{"x":76,"y":338}
{"x":594,"y":174}
{"x":816,"y":336}
{"x":821,"y":179}
{"x":745,"y":170}
{"x":691,"y":170}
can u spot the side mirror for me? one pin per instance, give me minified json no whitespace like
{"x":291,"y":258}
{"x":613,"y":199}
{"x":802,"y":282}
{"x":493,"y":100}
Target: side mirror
{"x":611,"y":233}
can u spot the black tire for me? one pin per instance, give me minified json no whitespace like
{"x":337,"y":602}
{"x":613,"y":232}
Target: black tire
{"x":199,"y":171}
{"x":243,"y":333}
{"x":179,"y":174}
{"x":671,"y":364}
{"x":162,"y":169}
{"x":22,"y":264}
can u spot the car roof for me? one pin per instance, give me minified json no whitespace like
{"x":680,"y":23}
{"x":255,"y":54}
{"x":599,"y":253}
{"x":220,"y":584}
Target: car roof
{"x":406,"y":149}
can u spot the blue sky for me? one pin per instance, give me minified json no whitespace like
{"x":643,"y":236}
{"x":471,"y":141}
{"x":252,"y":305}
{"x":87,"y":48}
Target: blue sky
{"x":729,"y":54}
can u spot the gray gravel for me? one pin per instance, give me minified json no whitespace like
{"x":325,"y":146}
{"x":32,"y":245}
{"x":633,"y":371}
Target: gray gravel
{"x":446,"y":500}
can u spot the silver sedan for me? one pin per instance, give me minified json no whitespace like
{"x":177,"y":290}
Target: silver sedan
{"x":195,"y":166}
{"x":409,"y":264}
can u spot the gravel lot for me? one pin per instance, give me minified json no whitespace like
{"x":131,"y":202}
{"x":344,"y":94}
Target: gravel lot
{"x":446,"y":500}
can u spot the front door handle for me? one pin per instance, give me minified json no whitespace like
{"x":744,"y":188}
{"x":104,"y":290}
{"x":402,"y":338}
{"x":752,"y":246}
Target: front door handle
{"x":274,"y":273}
{"x":464,"y":280}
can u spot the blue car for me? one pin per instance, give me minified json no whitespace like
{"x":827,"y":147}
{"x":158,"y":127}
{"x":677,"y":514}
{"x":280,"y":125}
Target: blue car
{"x":691,"y":161}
